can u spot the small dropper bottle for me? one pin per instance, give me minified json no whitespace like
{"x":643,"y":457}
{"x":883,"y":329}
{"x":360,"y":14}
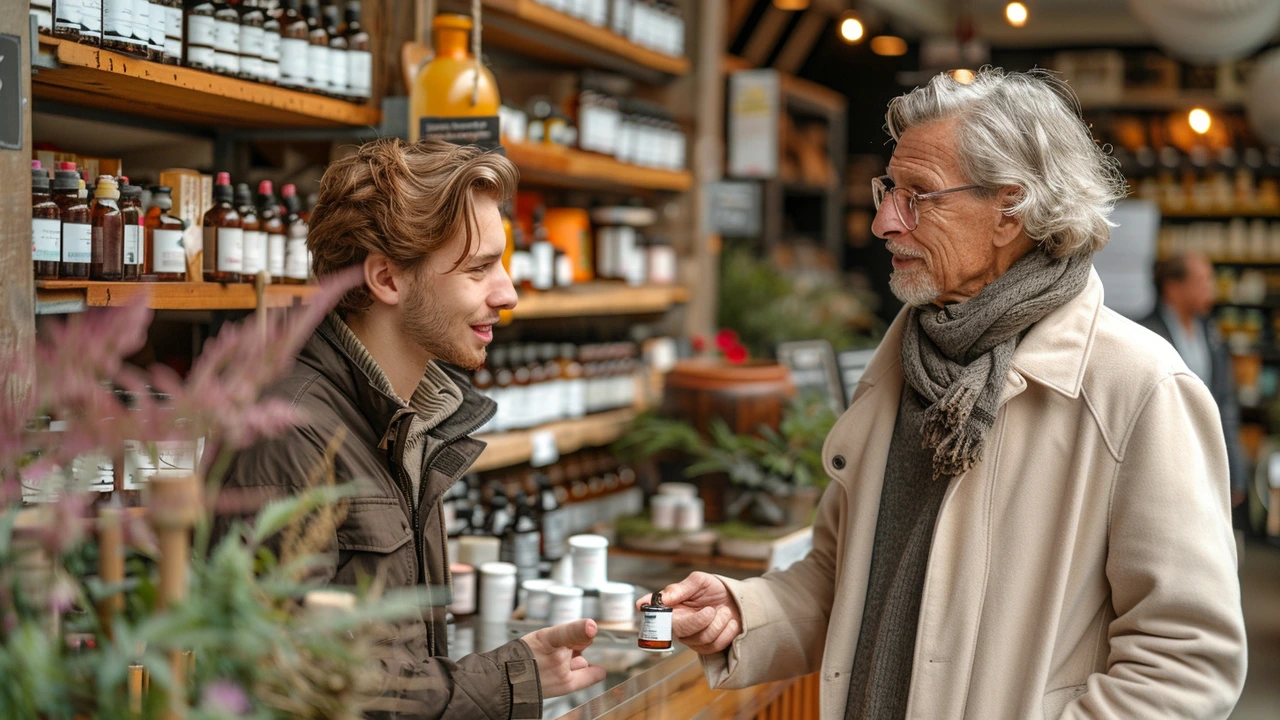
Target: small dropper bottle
{"x":655,"y":625}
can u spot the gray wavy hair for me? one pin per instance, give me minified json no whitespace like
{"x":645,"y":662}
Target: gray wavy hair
{"x":1024,"y":130}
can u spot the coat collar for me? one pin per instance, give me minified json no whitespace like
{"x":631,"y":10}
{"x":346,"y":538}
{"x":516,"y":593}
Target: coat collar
{"x":1054,"y":353}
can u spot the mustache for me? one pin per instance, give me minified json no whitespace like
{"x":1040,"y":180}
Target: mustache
{"x":902,"y":251}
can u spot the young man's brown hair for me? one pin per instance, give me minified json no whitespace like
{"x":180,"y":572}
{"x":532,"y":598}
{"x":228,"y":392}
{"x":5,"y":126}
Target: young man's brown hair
{"x":404,"y":201}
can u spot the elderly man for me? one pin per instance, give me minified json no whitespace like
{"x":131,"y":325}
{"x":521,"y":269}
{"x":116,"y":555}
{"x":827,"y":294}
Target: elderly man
{"x":1028,"y":515}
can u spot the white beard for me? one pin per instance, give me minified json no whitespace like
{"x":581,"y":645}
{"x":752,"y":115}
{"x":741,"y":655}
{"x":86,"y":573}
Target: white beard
{"x":914,"y":287}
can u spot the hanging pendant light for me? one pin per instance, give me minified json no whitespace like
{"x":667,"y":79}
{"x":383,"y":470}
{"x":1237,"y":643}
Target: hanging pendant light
{"x":1205,"y":31}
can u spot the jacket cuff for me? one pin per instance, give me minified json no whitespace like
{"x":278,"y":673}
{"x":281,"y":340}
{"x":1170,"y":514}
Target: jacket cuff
{"x":525,"y":685}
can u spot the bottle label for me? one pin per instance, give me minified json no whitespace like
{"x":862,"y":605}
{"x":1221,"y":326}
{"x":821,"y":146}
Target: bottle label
{"x":132,"y":244}
{"x":200,"y":34}
{"x":483,"y":131}
{"x":360,"y":73}
{"x":172,"y":31}
{"x":252,"y":40}
{"x":293,"y":61}
{"x":656,"y":627}
{"x":339,"y":70}
{"x":526,"y":550}
{"x":576,"y":398}
{"x":91,"y":18}
{"x":117,"y":20}
{"x":295,"y":259}
{"x":275,"y":255}
{"x":271,"y":46}
{"x":46,"y":239}
{"x":158,"y":25}
{"x":255,"y":252}
{"x":227,"y":46}
{"x":230,"y":249}
{"x":142,"y":22}
{"x":599,"y":129}
{"x":554,"y":532}
{"x":318,"y":67}
{"x":77,"y":242}
{"x":167,"y":252}
{"x":67,"y":15}
{"x":544,"y":265}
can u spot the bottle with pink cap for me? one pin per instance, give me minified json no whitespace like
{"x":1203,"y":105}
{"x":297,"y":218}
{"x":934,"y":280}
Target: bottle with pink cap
{"x":223,"y":235}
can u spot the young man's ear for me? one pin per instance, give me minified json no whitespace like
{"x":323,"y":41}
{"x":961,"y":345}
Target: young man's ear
{"x":383,"y":279}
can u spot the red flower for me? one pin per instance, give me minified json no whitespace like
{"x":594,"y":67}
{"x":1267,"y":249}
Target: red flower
{"x":736,"y":354}
{"x":726,"y":339}
{"x":699,"y":343}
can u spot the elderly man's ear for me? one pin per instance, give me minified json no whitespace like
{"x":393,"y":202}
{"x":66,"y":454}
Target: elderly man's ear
{"x":1008,"y":227}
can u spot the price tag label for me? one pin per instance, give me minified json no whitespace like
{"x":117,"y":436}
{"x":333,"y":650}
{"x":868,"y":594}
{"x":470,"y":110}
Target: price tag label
{"x":545,"y":451}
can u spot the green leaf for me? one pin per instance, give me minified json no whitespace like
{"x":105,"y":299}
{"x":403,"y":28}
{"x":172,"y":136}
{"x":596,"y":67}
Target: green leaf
{"x":278,"y":514}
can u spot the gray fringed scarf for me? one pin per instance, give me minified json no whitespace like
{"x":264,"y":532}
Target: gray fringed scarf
{"x":957,"y":357}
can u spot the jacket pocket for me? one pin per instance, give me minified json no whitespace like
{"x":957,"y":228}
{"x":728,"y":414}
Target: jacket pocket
{"x":375,"y":535}
{"x":1056,"y":701}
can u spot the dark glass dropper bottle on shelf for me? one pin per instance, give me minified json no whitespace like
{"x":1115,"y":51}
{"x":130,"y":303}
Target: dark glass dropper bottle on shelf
{"x":46,"y":225}
{"x":135,"y":242}
{"x":223,"y":236}
{"x":165,"y":257}
{"x":108,"y":231}
{"x":77,"y":226}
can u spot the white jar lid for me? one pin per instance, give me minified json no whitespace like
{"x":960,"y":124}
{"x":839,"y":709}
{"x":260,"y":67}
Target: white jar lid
{"x":678,"y":489}
{"x":565,"y":590}
{"x":537,"y":585}
{"x":497,"y":568}
{"x":617,"y":588}
{"x":589,"y":542}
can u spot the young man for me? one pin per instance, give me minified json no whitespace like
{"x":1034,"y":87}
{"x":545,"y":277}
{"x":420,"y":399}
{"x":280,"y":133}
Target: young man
{"x":385,"y":372}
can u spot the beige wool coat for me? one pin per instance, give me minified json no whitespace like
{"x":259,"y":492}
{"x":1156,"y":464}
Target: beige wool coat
{"x":1085,"y":568}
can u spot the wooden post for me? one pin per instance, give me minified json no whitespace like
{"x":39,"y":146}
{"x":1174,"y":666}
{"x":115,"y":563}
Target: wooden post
{"x":174,"y":508}
{"x":708,"y":158}
{"x":110,"y":564}
{"x":17,"y":284}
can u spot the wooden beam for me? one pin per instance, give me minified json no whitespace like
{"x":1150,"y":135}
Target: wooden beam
{"x":17,"y":301}
{"x":765,"y":37}
{"x":708,"y":167}
{"x":739,"y":11}
{"x":801,"y":42}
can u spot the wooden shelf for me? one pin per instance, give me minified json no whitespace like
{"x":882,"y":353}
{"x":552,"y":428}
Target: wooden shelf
{"x":102,"y":79}
{"x":512,"y":448}
{"x":1201,"y":214}
{"x":599,"y":298}
{"x":531,"y":28}
{"x":53,"y":296}
{"x":555,"y":166}
{"x":802,"y":95}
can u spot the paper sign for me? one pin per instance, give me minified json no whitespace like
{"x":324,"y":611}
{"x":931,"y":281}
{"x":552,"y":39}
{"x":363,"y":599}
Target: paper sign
{"x":544,"y":451}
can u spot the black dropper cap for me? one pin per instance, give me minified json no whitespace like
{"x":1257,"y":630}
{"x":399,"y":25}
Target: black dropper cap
{"x":352,"y":13}
{"x":66,"y":180}
{"x":161,"y":197}
{"x":244,"y":195}
{"x":39,"y":179}
{"x":130,"y":191}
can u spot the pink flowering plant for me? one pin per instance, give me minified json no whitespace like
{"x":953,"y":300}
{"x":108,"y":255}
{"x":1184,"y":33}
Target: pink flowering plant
{"x":255,"y":651}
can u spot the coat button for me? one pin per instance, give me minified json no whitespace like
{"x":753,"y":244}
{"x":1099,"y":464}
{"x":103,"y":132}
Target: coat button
{"x":838,"y":462}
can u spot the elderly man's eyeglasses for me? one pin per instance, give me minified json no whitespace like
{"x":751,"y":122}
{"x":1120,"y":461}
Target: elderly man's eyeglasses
{"x":905,"y":200}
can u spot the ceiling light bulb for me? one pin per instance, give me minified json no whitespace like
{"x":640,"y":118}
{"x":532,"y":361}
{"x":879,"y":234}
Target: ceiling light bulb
{"x":1016,"y":14}
{"x":851,"y":30}
{"x":791,"y":4}
{"x":888,"y":45}
{"x":1200,"y":120}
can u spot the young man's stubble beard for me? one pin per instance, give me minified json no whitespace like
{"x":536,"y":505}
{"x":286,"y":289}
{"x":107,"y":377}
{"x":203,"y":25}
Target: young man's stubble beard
{"x":429,"y":324}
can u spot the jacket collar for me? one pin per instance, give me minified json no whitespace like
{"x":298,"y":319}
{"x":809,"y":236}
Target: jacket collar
{"x":1054,"y":353}
{"x":325,"y":353}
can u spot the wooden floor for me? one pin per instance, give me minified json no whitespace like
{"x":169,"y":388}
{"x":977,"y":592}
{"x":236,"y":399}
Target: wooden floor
{"x":1260,"y":584}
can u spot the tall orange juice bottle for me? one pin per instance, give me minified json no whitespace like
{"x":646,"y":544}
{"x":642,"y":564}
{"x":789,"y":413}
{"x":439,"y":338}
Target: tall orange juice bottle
{"x":444,"y":101}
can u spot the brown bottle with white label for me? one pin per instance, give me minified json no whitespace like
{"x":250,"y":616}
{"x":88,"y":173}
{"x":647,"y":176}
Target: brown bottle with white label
{"x":166,"y":256}
{"x":107,"y":232}
{"x":223,"y":235}
{"x":134,"y":238}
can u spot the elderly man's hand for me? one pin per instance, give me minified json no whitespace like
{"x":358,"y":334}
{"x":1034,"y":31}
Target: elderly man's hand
{"x":558,"y":652}
{"x":704,"y":616}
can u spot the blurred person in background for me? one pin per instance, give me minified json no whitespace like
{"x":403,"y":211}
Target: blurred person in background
{"x":1184,"y":317}
{"x":1043,"y":530}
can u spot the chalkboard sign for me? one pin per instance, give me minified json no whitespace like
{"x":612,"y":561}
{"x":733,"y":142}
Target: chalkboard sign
{"x":813,"y":369}
{"x":11,"y":92}
{"x":733,"y":209}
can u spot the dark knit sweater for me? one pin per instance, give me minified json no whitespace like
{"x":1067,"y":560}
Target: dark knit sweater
{"x":909,"y":505}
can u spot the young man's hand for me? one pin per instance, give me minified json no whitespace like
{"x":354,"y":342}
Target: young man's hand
{"x":558,"y":652}
{"x":704,"y":616}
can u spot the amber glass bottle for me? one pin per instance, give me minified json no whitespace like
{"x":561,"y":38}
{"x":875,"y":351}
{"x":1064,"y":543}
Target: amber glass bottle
{"x":255,"y":240}
{"x":107,"y":261}
{"x":273,"y":226}
{"x":318,"y":76}
{"x":295,"y":40}
{"x":77,"y":228}
{"x":166,"y":260}
{"x":135,"y":242}
{"x":46,"y":225}
{"x":296,"y":266}
{"x":359,"y":57}
{"x":223,"y":236}
{"x":445,"y":86}
{"x":202,"y":33}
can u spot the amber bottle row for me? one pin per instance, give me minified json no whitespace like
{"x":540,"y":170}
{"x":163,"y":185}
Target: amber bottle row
{"x":295,"y":43}
{"x":110,"y":237}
